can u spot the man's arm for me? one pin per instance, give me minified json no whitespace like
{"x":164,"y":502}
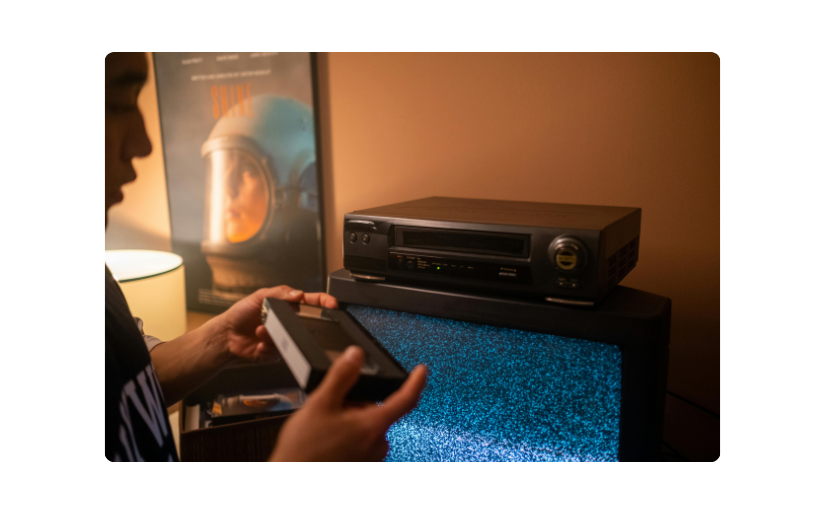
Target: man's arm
{"x":188,"y":362}
{"x":185,"y":364}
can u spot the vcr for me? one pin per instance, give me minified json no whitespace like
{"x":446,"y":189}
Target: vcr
{"x":564,"y":253}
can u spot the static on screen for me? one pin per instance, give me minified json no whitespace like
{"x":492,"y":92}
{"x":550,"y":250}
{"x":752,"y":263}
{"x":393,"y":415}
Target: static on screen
{"x":499,"y":394}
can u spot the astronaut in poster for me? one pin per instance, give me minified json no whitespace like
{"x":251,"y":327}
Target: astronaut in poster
{"x":239,"y":145}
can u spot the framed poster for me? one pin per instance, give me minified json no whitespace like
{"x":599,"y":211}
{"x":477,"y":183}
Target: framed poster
{"x":240,"y":141}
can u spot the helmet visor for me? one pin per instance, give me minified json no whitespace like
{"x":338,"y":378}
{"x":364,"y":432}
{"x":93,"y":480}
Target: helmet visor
{"x":238,"y":196}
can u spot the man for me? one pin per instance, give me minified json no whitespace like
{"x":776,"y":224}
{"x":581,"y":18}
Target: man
{"x":140,"y":385}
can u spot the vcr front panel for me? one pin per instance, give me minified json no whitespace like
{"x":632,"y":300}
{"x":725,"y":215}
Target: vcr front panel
{"x":489,"y":245}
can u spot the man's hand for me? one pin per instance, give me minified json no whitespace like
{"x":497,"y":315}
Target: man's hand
{"x":186,"y":363}
{"x":328,"y":429}
{"x":241,"y":329}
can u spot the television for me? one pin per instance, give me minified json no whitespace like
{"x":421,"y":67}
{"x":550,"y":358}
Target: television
{"x":521,"y":379}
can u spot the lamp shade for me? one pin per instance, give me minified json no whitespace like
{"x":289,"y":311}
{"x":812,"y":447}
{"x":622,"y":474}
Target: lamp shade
{"x":153,"y":284}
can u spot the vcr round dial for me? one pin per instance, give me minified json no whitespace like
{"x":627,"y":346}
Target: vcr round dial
{"x":567,"y":254}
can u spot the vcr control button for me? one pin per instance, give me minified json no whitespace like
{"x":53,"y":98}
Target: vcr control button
{"x":353,"y":237}
{"x":410,"y":264}
{"x":365,"y":238}
{"x":567,"y":254}
{"x":566,"y":258}
{"x":568,"y":283}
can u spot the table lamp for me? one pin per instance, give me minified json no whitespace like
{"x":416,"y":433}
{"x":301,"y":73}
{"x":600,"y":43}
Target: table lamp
{"x":153,"y":284}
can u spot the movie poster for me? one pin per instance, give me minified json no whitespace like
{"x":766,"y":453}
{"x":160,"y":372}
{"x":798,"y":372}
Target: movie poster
{"x":244,"y":186}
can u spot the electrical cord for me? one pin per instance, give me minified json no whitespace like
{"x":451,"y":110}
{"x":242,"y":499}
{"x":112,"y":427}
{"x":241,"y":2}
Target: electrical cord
{"x":675,"y":452}
{"x":669,"y":457}
{"x":694,"y":404}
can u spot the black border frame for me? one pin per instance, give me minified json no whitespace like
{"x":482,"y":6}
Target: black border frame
{"x":319,"y":168}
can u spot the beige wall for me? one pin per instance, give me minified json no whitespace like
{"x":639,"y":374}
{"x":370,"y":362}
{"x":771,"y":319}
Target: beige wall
{"x":639,"y":130}
{"x":636,"y":130}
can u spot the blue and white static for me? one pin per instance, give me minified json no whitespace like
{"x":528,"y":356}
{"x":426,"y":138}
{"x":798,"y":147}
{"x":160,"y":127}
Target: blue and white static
{"x":498,"y":394}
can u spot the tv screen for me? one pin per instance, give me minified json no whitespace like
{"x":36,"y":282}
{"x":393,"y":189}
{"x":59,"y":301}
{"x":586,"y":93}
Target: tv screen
{"x":501,"y":394}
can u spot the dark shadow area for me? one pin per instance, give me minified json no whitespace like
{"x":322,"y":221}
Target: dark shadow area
{"x":690,"y":432}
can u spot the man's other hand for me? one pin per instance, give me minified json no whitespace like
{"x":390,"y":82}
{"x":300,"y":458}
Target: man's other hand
{"x":240,"y":327}
{"x":329,"y":429}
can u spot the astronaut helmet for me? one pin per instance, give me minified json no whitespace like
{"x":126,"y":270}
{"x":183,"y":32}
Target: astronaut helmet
{"x":261,"y":194}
